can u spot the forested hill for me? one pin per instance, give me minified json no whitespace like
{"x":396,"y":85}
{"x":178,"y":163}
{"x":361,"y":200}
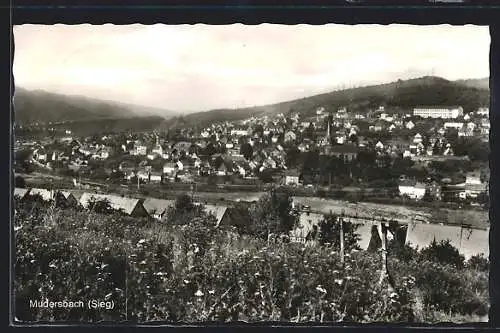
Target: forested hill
{"x":406,"y":94}
{"x":38,"y":106}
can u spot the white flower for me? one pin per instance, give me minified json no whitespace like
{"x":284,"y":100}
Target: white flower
{"x":339,"y":281}
{"x":394,"y":295}
{"x":186,"y":281}
{"x":199,"y":293}
{"x":141,"y":241}
{"x":52,"y":266}
{"x":211,"y":292}
{"x":321,"y":289}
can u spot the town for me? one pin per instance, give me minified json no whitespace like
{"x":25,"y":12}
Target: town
{"x":429,"y":154}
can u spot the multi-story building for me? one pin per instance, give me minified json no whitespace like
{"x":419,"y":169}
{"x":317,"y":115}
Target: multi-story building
{"x":445,"y":112}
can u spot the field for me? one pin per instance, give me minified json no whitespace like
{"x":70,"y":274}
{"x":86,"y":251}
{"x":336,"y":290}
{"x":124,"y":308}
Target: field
{"x":195,"y":272}
{"x":476,"y":218}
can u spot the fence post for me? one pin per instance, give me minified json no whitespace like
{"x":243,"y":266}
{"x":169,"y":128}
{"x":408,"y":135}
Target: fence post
{"x":341,"y":220}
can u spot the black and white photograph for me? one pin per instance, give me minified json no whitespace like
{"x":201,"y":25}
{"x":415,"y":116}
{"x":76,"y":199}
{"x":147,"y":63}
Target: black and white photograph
{"x":191,"y":174}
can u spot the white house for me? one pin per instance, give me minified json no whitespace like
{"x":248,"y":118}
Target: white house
{"x":169,"y":168}
{"x":291,"y":177}
{"x":412,"y":189}
{"x":455,"y":125}
{"x":417,"y":138}
{"x":409,"y":125}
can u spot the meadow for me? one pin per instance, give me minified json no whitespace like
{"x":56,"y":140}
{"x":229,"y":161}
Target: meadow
{"x":190,"y":271}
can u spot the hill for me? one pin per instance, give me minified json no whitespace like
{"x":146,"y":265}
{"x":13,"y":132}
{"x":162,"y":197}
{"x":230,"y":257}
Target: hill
{"x":483,"y":83}
{"x":32,"y":106}
{"x":404,"y":94}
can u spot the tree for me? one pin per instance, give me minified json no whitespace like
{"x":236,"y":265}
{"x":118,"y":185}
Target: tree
{"x":101,"y":206}
{"x":20,"y":182}
{"x":272,"y":214}
{"x":184,"y":210}
{"x":292,"y":157}
{"x":329,"y":232}
{"x":246,"y":150}
{"x":444,"y":253}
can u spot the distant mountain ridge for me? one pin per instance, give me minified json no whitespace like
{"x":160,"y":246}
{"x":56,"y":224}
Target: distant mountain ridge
{"x":428,"y":90}
{"x":44,"y":107}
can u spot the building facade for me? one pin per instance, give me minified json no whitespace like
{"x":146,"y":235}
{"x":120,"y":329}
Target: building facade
{"x":439,"y":112}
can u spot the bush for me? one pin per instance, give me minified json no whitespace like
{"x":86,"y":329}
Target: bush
{"x":443,"y":252}
{"x":479,"y":263}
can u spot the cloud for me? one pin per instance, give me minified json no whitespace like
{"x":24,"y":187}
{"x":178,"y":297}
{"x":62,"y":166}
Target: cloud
{"x":196,"y":67}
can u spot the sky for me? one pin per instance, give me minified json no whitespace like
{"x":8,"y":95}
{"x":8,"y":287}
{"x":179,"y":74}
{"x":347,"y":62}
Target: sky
{"x":200,"y":67}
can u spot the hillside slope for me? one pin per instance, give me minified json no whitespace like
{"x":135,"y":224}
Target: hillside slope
{"x":405,"y":94}
{"x":32,"y":106}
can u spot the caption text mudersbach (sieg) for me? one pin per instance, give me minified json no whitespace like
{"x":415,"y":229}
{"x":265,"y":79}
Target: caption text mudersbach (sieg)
{"x":90,"y":304}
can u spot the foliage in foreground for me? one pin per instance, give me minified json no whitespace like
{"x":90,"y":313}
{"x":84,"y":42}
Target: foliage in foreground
{"x":196,"y":272}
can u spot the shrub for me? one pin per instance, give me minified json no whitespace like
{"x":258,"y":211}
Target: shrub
{"x":444,"y":253}
{"x":479,"y":263}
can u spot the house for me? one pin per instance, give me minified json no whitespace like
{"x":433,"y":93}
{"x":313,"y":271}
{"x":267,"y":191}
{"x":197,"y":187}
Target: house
{"x":169,"y":168}
{"x":40,"y":155}
{"x":46,"y":195}
{"x":473,"y":178}
{"x":21,"y":193}
{"x":410,"y":125}
{"x":219,"y":212}
{"x":155,"y":177}
{"x":347,"y":152}
{"x":439,"y":112}
{"x":292,"y":177}
{"x":157,"y":208}
{"x":435,"y":190}
{"x":222,"y":170}
{"x":472,"y":191}
{"x":67,"y":197}
{"x":412,"y":189}
{"x":379,"y":145}
{"x":157,"y":150}
{"x":454,"y":125}
{"x":417,"y":138}
{"x":130,"y":206}
{"x":290,"y":136}
{"x":483,"y":112}
{"x":143,"y":175}
{"x":140,"y":149}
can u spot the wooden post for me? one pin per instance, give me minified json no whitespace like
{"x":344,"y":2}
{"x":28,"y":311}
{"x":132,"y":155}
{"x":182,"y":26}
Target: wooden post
{"x":384,"y":273}
{"x":341,"y":220}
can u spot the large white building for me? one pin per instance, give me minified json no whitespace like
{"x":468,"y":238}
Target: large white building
{"x":439,"y":112}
